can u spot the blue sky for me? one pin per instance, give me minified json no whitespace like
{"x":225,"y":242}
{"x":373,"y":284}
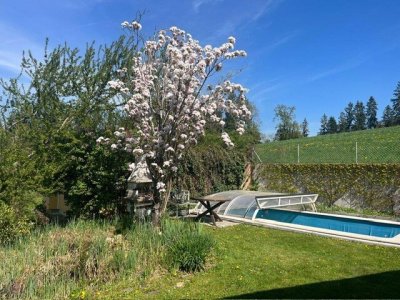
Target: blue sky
{"x":316,"y":55}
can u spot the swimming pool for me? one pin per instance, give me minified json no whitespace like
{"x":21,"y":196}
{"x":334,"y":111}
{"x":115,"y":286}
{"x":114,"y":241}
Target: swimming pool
{"x":280,"y":211}
{"x":343,"y":224}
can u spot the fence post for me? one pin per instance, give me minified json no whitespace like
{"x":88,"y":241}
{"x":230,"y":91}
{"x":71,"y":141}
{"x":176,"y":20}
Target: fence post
{"x":259,"y":159}
{"x":356,"y":153}
{"x":298,"y":153}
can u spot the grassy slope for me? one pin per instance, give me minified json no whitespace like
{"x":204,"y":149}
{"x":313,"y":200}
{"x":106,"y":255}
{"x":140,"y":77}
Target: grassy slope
{"x":254,"y":262}
{"x":377,"y":146}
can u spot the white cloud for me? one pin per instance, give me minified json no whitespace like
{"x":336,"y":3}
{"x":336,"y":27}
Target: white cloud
{"x":267,"y":7}
{"x":13,"y":44}
{"x":338,"y":69}
{"x":198,"y":3}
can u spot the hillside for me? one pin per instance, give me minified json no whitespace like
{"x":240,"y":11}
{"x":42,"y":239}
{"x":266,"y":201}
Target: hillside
{"x":373,"y":146}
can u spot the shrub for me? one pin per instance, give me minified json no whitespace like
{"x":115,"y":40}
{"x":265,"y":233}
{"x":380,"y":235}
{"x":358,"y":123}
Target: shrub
{"x":11,"y":225}
{"x":187,"y":246}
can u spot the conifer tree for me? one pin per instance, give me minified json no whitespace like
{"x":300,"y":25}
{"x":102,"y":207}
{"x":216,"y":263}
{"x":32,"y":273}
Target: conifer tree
{"x":349,"y":114}
{"x":332,"y":125}
{"x":372,"y":107}
{"x":396,"y":105}
{"x":359,"y":116}
{"x":304,"y":128}
{"x":342,"y":123}
{"x":388,"y":116}
{"x":324,"y":125}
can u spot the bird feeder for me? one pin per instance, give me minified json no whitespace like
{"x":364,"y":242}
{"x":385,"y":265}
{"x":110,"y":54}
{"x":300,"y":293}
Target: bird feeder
{"x":139,"y":196}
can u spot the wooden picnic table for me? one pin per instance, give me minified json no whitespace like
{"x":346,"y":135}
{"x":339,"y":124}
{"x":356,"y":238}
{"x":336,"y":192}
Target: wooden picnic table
{"x":210,"y":208}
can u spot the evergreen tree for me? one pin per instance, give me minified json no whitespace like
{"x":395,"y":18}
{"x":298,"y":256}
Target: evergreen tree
{"x":342,"y":124}
{"x":396,"y":105}
{"x":332,"y":125}
{"x":349,"y":114}
{"x":324,"y":125}
{"x":287,"y":127}
{"x":359,"y":116}
{"x":372,"y":107}
{"x":304,"y":128}
{"x":388,"y":116}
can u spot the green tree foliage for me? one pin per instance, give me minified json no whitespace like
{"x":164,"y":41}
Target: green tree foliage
{"x":252,"y":134}
{"x":332,"y":125}
{"x":388,"y":116}
{"x":324,"y":125}
{"x":57,"y":116}
{"x":287,"y":127}
{"x":18,"y":176}
{"x":349,"y":114}
{"x":371,"y":113}
{"x":342,"y":122}
{"x":304,"y":128}
{"x":359,"y":116}
{"x":396,"y":105}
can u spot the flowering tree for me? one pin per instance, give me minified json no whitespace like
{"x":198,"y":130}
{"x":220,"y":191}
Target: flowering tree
{"x":169,"y":100}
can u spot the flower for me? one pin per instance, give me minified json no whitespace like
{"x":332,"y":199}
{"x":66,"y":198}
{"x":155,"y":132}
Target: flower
{"x":170,"y":99}
{"x":136,"y":25}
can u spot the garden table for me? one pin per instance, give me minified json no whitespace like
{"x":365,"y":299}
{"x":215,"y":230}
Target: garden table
{"x":211,"y":205}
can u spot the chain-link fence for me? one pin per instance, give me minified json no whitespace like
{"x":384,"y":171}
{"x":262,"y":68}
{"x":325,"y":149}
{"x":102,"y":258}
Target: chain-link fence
{"x":329,"y":152}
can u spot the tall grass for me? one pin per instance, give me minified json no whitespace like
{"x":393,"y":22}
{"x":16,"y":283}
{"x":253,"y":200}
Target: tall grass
{"x":55,"y":263}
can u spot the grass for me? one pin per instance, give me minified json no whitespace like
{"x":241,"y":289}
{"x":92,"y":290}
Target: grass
{"x":255,"y":262}
{"x":76,"y":260}
{"x":380,"y":145}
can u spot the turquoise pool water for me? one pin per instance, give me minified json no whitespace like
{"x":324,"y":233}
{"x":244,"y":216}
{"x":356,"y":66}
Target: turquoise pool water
{"x":344,"y":224}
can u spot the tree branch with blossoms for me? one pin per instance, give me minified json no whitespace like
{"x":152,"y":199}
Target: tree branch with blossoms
{"x":169,"y":106}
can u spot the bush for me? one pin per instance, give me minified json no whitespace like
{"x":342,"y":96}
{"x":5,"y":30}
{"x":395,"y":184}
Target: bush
{"x":187,"y":246}
{"x":371,"y":186}
{"x":11,"y":225}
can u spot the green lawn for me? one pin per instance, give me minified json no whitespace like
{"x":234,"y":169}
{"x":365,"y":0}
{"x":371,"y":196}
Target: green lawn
{"x":373,"y":146}
{"x":255,"y":262}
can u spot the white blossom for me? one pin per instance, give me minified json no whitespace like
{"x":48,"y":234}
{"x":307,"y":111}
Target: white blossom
{"x":169,"y":99}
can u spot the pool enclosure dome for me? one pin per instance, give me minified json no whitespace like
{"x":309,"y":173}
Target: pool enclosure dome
{"x":246,"y":204}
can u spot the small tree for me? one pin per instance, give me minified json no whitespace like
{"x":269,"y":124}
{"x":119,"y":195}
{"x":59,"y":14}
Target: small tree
{"x":342,"y":123}
{"x":388,"y":116}
{"x":371,"y":113}
{"x":169,"y":102}
{"x":287,"y":127}
{"x":304,"y":128}
{"x":324,"y":125}
{"x":349,"y":114}
{"x":396,"y":105}
{"x":332,"y":125}
{"x":359,"y":116}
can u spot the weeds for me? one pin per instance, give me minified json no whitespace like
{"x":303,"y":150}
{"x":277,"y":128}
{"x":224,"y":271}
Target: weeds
{"x":55,"y":262}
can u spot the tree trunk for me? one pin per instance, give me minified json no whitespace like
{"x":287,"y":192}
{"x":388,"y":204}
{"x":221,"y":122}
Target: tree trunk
{"x":156,"y":215}
{"x":166,"y":197}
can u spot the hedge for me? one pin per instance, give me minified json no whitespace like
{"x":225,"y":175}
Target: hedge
{"x":371,"y":186}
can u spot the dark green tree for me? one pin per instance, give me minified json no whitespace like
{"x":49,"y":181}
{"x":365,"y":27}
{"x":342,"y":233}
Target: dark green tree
{"x":359,"y":116}
{"x":371,"y":113}
{"x":396,"y":105}
{"x":252,"y":134}
{"x":332,"y":126}
{"x":304,"y":128}
{"x":349,"y":113}
{"x":324,"y":125}
{"x":387,"y":117}
{"x":342,"y":122}
{"x":287,"y":127}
